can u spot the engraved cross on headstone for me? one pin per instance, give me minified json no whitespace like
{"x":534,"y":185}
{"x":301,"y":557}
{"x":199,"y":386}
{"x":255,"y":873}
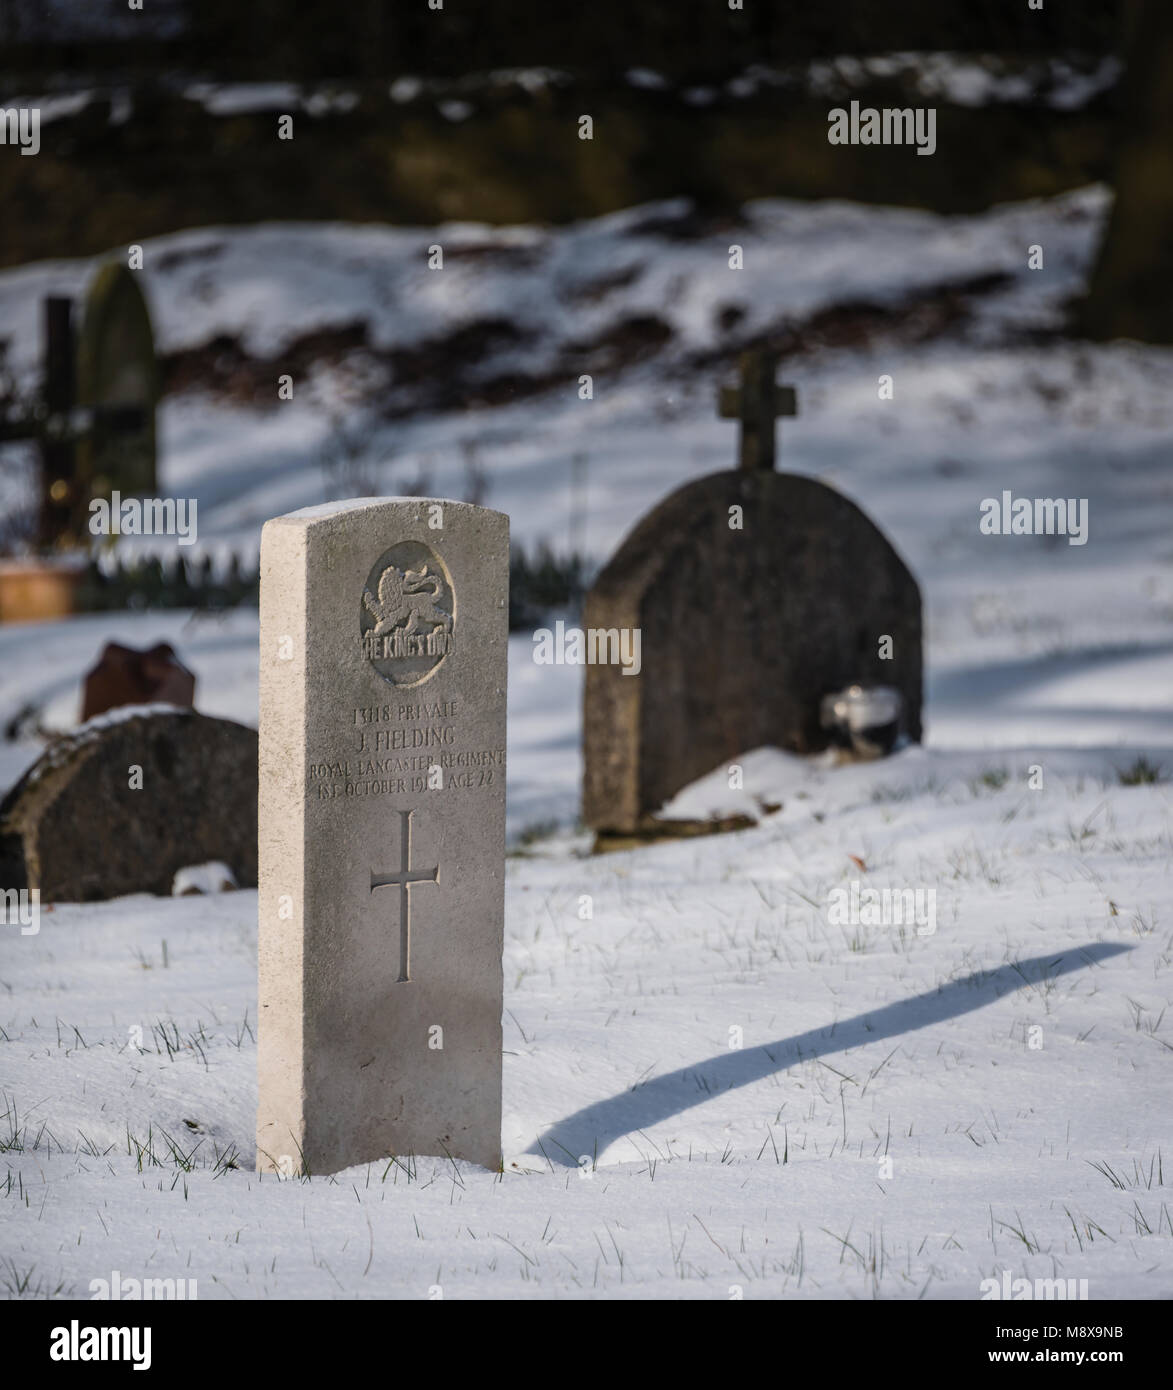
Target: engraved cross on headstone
{"x":757,"y":403}
{"x":403,"y":878}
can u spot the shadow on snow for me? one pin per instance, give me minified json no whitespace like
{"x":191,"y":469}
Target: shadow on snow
{"x":591,"y":1130}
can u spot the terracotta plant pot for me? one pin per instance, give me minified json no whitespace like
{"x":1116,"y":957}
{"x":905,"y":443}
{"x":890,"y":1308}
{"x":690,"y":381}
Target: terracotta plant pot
{"x":38,"y":590}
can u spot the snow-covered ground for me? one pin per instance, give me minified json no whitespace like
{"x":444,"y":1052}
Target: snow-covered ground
{"x":963,"y":79}
{"x":734,"y":1060}
{"x":1013,"y":1066}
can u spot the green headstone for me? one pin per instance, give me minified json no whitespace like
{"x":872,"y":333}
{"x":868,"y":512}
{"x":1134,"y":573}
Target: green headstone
{"x":118,"y":380}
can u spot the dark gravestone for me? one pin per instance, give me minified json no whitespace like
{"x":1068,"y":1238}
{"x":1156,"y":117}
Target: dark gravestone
{"x":77,"y":828}
{"x":118,"y":388}
{"x":94,"y":416}
{"x":125,"y":676}
{"x":744,"y":631}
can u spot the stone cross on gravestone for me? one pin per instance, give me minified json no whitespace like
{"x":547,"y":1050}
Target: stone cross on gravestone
{"x":757,"y":403}
{"x":756,"y":594}
{"x":404,"y":878}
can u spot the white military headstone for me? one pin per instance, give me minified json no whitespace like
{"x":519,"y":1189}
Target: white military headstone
{"x":384,"y":625}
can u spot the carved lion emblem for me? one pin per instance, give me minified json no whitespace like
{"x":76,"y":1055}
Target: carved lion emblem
{"x":407,"y":613}
{"x":406,"y":599}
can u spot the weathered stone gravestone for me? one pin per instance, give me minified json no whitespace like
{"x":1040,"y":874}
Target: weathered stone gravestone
{"x":125,"y":801}
{"x":117,"y":390}
{"x":757,"y":594}
{"x":384,"y":626}
{"x":94,"y":415}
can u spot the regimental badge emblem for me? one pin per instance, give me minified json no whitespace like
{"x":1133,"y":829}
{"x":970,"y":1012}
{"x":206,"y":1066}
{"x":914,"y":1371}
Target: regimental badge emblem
{"x":408,"y":613}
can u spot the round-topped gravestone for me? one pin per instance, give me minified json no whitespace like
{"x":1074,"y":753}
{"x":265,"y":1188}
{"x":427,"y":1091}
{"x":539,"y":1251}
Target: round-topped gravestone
{"x":756,"y":594}
{"x":118,"y":388}
{"x":128,"y":799}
